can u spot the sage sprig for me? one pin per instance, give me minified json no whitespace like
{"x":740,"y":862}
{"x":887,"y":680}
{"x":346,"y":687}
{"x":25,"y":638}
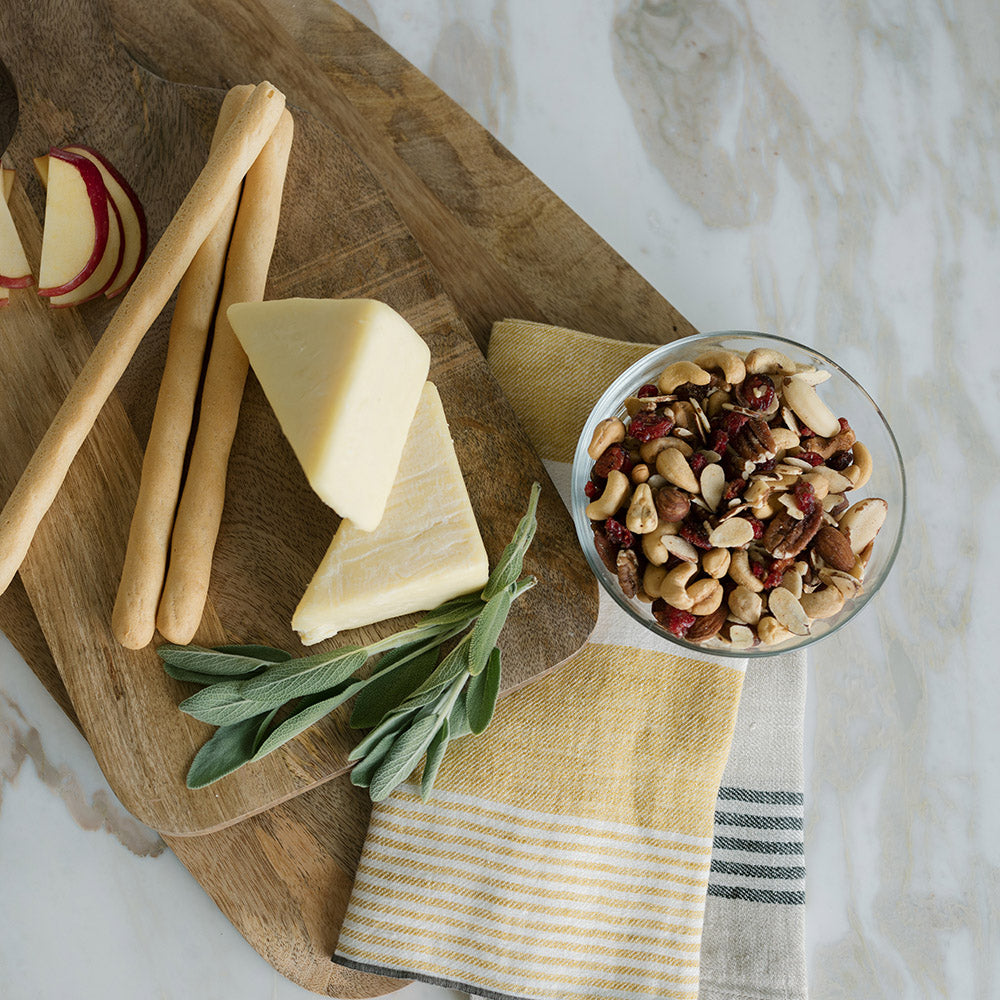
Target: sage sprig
{"x":413,"y":701}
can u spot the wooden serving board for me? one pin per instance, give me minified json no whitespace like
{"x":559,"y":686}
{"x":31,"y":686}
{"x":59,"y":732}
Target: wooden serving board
{"x":283,"y":877}
{"x":339,"y":236}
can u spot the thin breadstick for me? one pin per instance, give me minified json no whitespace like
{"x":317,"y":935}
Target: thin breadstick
{"x":143,"y":302}
{"x":199,"y":514}
{"x":134,"y":618}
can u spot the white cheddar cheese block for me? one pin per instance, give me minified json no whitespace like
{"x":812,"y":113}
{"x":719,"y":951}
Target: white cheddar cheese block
{"x":343,"y":377}
{"x":427,"y":549}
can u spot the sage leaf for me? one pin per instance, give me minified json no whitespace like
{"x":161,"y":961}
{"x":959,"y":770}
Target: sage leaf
{"x":306,"y":676}
{"x":361,"y":773}
{"x":403,"y":757}
{"x":263,"y":728}
{"x":508,"y":569}
{"x":266,"y":653}
{"x":307,"y":715}
{"x":224,"y":704}
{"x":394,"y":722}
{"x":211,"y":661}
{"x":453,"y":666}
{"x":387,"y":689}
{"x":193,"y":676}
{"x":458,"y":720}
{"x":435,"y":755}
{"x":229,"y":748}
{"x":486,"y":631}
{"x":481,"y":695}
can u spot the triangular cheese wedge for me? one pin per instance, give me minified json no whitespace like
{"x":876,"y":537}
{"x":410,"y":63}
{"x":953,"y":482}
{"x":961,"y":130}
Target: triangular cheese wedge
{"x":427,"y":549}
{"x":343,"y":377}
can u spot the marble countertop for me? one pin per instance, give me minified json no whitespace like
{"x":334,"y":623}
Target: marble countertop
{"x":827,"y":172}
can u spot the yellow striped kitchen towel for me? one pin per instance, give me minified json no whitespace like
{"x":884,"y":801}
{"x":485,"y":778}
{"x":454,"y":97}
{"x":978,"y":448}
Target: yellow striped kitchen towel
{"x":566,"y":852}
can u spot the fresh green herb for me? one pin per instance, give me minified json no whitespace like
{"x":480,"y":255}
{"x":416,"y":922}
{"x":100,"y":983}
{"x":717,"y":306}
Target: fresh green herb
{"x":260,"y":697}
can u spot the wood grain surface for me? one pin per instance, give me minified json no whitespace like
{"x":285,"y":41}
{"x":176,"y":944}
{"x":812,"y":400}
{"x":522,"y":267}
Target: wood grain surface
{"x":339,"y":236}
{"x":492,"y":265}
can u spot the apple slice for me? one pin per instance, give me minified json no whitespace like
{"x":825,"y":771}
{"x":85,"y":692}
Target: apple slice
{"x":15,"y":271}
{"x":103,"y":275}
{"x":130,"y":213}
{"x":77,"y":219}
{"x":42,"y":169}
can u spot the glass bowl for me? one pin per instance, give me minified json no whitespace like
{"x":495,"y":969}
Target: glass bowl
{"x":841,"y":392}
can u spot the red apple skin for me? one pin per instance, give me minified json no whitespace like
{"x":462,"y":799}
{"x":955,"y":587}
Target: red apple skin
{"x":98,"y":202}
{"x":124,"y":280}
{"x":23,"y":282}
{"x":114,"y":271}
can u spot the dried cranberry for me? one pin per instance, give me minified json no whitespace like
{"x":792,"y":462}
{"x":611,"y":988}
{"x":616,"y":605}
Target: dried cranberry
{"x":627,"y":465}
{"x":691,"y":391}
{"x":618,"y":533}
{"x":768,"y":466}
{"x":756,"y":392}
{"x":844,"y":425}
{"x":696,"y":535}
{"x":840,"y":460}
{"x":732,"y":422}
{"x":647,"y":390}
{"x":811,"y":457}
{"x":758,"y":569}
{"x":675,"y":621}
{"x":805,"y":497}
{"x":592,"y":490}
{"x":756,"y":524}
{"x":806,"y":432}
{"x":719,"y":441}
{"x":776,"y":571}
{"x":648,"y":425}
{"x":697,"y":461}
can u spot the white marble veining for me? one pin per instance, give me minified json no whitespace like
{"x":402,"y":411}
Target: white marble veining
{"x":829,"y":172}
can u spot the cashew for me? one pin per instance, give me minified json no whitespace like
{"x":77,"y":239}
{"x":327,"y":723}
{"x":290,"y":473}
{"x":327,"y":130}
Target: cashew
{"x":715,"y":562}
{"x":823,"y":603}
{"x":783,"y":440}
{"x":641,"y":517}
{"x":764,"y":361}
{"x":730,"y":364}
{"x":862,"y":463}
{"x":812,"y":375}
{"x":606,"y":433}
{"x":612,"y":499}
{"x":672,"y":465}
{"x":650,"y":449}
{"x":713,"y":485}
{"x":680,"y":372}
{"x":861,"y":523}
{"x":850,"y":586}
{"x":731,"y":533}
{"x":768,"y":507}
{"x":657,"y":549}
{"x":673,"y":589}
{"x":639,"y":473}
{"x":745,"y":605}
{"x":771,"y":631}
{"x":809,"y":408}
{"x":789,"y":612}
{"x":707,"y":595}
{"x":652,"y":580}
{"x":739,"y":571}
{"x":819,"y":482}
{"x":715,"y":402}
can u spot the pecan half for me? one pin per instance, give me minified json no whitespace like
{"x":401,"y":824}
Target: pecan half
{"x":786,"y":537}
{"x":628,"y":572}
{"x":753,"y":442}
{"x":706,"y":626}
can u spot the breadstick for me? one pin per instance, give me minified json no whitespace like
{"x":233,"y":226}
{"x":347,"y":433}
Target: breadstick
{"x":205,"y":202}
{"x":200,"y":511}
{"x":134,"y":617}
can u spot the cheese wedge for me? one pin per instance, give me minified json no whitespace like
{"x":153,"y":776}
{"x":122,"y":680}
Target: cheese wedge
{"x":427,"y":549}
{"x":343,"y":377}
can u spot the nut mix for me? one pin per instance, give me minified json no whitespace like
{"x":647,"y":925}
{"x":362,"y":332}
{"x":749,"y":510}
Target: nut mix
{"x":721,"y":499}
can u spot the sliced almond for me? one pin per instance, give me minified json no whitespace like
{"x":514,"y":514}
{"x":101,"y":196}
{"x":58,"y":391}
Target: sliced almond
{"x":713,"y":485}
{"x":740,"y":637}
{"x":731,"y":533}
{"x":811,"y":375}
{"x":787,"y":500}
{"x":836,"y":483}
{"x":680,"y":547}
{"x":703,"y":424}
{"x":784,"y":606}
